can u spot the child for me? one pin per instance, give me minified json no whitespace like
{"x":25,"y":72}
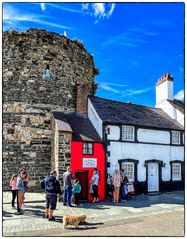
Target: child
{"x":21,"y":190}
{"x":77,"y":191}
{"x":13,"y":183}
{"x":110,"y":187}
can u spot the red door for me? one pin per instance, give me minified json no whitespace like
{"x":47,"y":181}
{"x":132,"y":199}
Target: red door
{"x":83,"y":179}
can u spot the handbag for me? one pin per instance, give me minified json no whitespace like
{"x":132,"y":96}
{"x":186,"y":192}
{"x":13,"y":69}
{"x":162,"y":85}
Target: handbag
{"x":91,"y":188}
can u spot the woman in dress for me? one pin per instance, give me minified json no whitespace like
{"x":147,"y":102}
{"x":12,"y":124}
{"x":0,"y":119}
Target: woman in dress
{"x":94,"y":185}
{"x":116,"y":178}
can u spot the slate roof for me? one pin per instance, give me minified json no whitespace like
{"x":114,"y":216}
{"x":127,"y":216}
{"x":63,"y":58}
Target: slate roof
{"x":179,"y":104}
{"x":115,"y":112}
{"x":80,"y":125}
{"x":62,"y":122}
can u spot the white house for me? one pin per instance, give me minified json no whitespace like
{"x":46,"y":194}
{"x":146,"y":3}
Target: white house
{"x":165,"y":99}
{"x":146,"y":142}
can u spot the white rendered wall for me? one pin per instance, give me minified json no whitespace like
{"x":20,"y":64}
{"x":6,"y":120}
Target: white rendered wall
{"x":180,"y":117}
{"x":95,"y":119}
{"x":114,"y":132}
{"x":164,"y":91}
{"x":171,"y":111}
{"x":142,"y":152}
{"x":153,"y":136}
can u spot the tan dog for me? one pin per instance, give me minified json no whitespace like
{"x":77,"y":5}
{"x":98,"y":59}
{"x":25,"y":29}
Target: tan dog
{"x":73,"y":220}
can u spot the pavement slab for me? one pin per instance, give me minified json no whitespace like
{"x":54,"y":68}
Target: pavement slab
{"x":99,"y":215}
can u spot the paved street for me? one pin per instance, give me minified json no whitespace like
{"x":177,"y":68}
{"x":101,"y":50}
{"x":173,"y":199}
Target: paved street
{"x":165,"y":224}
{"x":158,"y":215}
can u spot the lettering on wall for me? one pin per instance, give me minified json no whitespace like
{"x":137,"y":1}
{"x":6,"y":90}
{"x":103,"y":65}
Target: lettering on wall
{"x":89,"y":162}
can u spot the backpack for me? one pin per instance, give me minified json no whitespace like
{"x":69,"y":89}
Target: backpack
{"x":50,"y":184}
{"x":47,"y":183}
{"x":42,"y":183}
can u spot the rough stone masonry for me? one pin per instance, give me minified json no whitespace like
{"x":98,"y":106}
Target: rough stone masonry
{"x":28,"y":98}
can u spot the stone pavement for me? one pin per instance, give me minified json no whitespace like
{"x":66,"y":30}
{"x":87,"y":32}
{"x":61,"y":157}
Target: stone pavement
{"x":98,"y":215}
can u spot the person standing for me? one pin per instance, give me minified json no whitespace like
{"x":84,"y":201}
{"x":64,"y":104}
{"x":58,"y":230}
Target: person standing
{"x":21,"y":190}
{"x":116,"y":178}
{"x":122,"y":186}
{"x":77,"y":191}
{"x":25,"y":181}
{"x":126,"y":187}
{"x":110,"y":187}
{"x":52,"y":188}
{"x":13,"y":185}
{"x":68,"y":186}
{"x":94,"y":182}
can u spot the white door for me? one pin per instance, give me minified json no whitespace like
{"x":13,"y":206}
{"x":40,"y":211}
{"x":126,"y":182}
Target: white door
{"x":153,"y":177}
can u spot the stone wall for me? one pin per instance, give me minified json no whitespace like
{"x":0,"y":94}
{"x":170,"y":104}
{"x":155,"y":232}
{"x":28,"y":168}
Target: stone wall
{"x":64,"y":153}
{"x":28,"y":98}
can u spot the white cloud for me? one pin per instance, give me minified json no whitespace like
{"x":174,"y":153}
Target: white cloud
{"x":179,"y":95}
{"x":99,"y":10}
{"x":122,"y":93}
{"x":111,"y":10}
{"x":127,"y":39}
{"x":61,"y":7}
{"x":13,"y":16}
{"x":118,"y":85}
{"x":137,"y":92}
{"x":105,"y":86}
{"x":43,"y":6}
{"x":133,"y":37}
{"x":85,"y":6}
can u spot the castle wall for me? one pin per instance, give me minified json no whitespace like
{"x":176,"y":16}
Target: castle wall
{"x":28,"y":98}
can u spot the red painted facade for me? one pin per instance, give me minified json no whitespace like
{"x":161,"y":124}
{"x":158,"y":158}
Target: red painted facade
{"x":85,"y":173}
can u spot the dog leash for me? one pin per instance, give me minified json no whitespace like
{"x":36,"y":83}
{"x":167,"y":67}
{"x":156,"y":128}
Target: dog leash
{"x":71,"y":209}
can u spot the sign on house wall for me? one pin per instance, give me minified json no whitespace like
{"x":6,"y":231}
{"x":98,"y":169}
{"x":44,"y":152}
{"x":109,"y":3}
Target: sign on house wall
{"x":89,"y":162}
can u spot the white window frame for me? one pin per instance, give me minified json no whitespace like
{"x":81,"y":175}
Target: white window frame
{"x":129,"y":130}
{"x":175,"y":137}
{"x":129,"y":173}
{"x":174,"y":171}
{"x":88,"y":148}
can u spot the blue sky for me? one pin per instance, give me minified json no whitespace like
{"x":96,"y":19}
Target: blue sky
{"x":133,"y":44}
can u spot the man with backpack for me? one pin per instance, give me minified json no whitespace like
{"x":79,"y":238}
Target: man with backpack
{"x":52,"y":188}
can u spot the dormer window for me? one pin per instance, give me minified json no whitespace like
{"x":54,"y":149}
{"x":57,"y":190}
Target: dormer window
{"x":127,"y":133}
{"x":175,"y":137}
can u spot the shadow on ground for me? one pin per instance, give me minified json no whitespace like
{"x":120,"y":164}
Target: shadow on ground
{"x":139,"y":201}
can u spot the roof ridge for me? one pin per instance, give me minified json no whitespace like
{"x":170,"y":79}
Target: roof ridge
{"x":92,"y":96}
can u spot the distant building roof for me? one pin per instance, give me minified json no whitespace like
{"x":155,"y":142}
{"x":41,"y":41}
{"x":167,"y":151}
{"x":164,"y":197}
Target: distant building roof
{"x":116,"y":112}
{"x":61,"y":121}
{"x":179,"y":104}
{"x":80,"y":126}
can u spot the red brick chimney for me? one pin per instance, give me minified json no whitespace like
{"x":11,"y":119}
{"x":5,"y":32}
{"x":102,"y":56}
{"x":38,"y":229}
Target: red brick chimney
{"x":82,"y":99}
{"x":164,"y":78}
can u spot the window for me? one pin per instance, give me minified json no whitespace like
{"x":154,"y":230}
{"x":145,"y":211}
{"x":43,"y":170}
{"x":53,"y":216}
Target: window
{"x":128,"y":133}
{"x":175,"y":137}
{"x":129,"y":171}
{"x":176,"y":171}
{"x":47,"y":73}
{"x":88,"y":148}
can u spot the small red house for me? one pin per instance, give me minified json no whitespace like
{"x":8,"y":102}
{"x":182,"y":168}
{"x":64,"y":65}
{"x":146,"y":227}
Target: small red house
{"x":87,"y":153}
{"x":86,"y":150}
{"x":83,"y":163}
